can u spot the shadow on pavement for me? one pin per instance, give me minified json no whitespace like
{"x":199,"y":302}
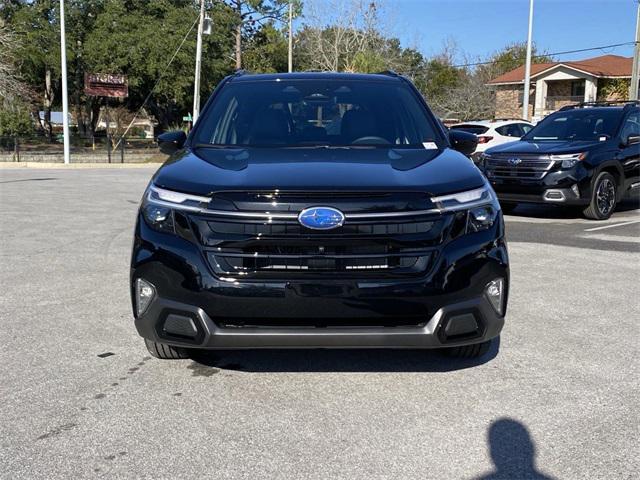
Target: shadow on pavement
{"x":531,"y":210}
{"x":29,"y":180}
{"x":343,"y":360}
{"x":512,"y":452}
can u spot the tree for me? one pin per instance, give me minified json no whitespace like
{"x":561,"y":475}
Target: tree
{"x":14,"y":112}
{"x":340,"y":36}
{"x":464,"y":92}
{"x":266,"y":51}
{"x":352,"y":36}
{"x":511,"y":57}
{"x":11,"y":85}
{"x":139,"y":38}
{"x":252,"y":14}
{"x":36,"y":24}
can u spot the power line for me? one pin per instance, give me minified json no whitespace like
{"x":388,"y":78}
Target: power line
{"x":489,"y":62}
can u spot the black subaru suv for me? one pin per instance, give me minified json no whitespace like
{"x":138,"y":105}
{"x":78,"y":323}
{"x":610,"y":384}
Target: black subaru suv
{"x":585,"y":155}
{"x":318,"y":210}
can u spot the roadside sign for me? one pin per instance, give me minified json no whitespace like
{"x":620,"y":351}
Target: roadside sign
{"x":187,"y":118}
{"x":106,"y":85}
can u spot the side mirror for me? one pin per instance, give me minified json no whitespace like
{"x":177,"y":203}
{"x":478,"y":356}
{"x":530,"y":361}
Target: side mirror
{"x":632,"y":140}
{"x":170,"y":142}
{"x":464,"y":142}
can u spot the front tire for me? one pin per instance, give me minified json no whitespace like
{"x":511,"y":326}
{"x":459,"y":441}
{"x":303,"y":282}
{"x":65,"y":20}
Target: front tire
{"x":604,"y":197}
{"x":164,"y":351}
{"x":468,"y":351}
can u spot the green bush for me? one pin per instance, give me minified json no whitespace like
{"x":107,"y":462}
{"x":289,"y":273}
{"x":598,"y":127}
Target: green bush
{"x":15,"y":120}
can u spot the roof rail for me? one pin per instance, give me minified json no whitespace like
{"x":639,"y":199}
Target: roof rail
{"x":389,"y":73}
{"x":240,"y":72}
{"x":605,"y":103}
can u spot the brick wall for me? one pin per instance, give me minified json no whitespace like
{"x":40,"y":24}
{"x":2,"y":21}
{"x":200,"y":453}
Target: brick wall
{"x":508,"y":101}
{"x":561,"y":88}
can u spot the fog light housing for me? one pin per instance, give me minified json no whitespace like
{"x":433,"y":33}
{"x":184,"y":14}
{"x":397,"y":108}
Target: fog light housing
{"x":494,"y":291}
{"x":145,"y":292}
{"x":576,"y":190}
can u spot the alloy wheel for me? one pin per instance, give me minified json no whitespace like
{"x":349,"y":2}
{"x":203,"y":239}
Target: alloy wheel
{"x":605,"y":196}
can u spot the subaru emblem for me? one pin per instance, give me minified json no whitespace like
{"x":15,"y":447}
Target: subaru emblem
{"x":321,"y":218}
{"x":514,"y":161}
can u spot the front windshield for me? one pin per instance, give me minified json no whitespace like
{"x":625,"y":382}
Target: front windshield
{"x":577,"y":125}
{"x":316,"y":112}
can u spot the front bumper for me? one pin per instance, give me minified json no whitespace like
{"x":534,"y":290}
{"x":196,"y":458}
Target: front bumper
{"x":559,"y":187}
{"x":554,"y":196}
{"x":327,"y":312}
{"x":433,"y":334}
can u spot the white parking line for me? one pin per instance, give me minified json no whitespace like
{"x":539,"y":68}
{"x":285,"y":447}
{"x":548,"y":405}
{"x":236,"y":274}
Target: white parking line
{"x":612,"y":226}
{"x":611,"y":238}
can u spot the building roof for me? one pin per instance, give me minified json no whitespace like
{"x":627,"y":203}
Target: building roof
{"x":603,"y":66}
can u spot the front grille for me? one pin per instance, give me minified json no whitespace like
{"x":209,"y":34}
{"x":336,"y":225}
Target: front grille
{"x":529,"y":167}
{"x":249,"y":248}
{"x":237,"y":264}
{"x":293,"y":228}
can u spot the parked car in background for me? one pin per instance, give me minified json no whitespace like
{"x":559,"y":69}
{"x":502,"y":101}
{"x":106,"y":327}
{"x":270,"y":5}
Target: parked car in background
{"x":493,"y":132}
{"x":586,"y":155}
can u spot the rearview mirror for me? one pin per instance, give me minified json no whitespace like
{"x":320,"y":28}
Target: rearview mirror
{"x":170,"y":142}
{"x":633,"y":140}
{"x":464,"y":142}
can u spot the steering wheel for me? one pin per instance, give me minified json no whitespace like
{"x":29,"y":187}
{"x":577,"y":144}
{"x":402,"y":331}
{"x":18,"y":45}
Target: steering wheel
{"x":371,"y":139}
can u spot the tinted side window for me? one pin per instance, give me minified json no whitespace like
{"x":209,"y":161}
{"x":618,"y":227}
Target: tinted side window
{"x":525,"y":127}
{"x":475,"y":129}
{"x":511,"y":130}
{"x":631,"y":126}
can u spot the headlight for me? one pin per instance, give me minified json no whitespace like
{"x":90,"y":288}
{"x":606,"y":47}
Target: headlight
{"x":158,"y":217}
{"x":159,"y":204}
{"x":570,"y":159}
{"x":177,"y":200}
{"x":481,"y":218}
{"x":481,"y":205}
{"x":482,"y":161}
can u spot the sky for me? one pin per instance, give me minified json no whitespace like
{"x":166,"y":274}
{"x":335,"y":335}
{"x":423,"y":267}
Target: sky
{"x":480,"y":27}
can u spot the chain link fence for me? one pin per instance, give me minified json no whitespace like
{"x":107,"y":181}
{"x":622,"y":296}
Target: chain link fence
{"x":97,"y":149}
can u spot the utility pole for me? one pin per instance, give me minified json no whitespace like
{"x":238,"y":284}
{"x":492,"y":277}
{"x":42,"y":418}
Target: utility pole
{"x":65,"y":99}
{"x":635,"y":73}
{"x":290,"y":37}
{"x":527,"y":67}
{"x":196,"y":83}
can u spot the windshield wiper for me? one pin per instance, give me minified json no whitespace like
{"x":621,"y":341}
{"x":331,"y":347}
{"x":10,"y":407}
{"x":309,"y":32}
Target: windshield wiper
{"x":329,"y":147}
{"x":217,"y":145}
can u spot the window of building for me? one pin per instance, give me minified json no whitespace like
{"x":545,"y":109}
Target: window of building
{"x":577,"y":88}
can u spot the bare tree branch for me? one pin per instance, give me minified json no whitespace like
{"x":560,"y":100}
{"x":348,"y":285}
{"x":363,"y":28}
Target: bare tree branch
{"x":11,"y":86}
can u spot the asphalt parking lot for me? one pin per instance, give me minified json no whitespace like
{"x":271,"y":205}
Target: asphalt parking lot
{"x":81,"y":397}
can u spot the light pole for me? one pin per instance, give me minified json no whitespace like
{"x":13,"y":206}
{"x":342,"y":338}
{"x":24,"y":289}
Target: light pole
{"x":527,"y":67}
{"x":196,"y":83}
{"x":635,"y":73}
{"x":290,"y":37}
{"x":65,"y":99}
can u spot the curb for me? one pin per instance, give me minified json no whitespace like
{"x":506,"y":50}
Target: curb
{"x":73,"y":166}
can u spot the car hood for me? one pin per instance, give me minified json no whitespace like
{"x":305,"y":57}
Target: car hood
{"x":209,"y":170}
{"x":543,"y":147}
